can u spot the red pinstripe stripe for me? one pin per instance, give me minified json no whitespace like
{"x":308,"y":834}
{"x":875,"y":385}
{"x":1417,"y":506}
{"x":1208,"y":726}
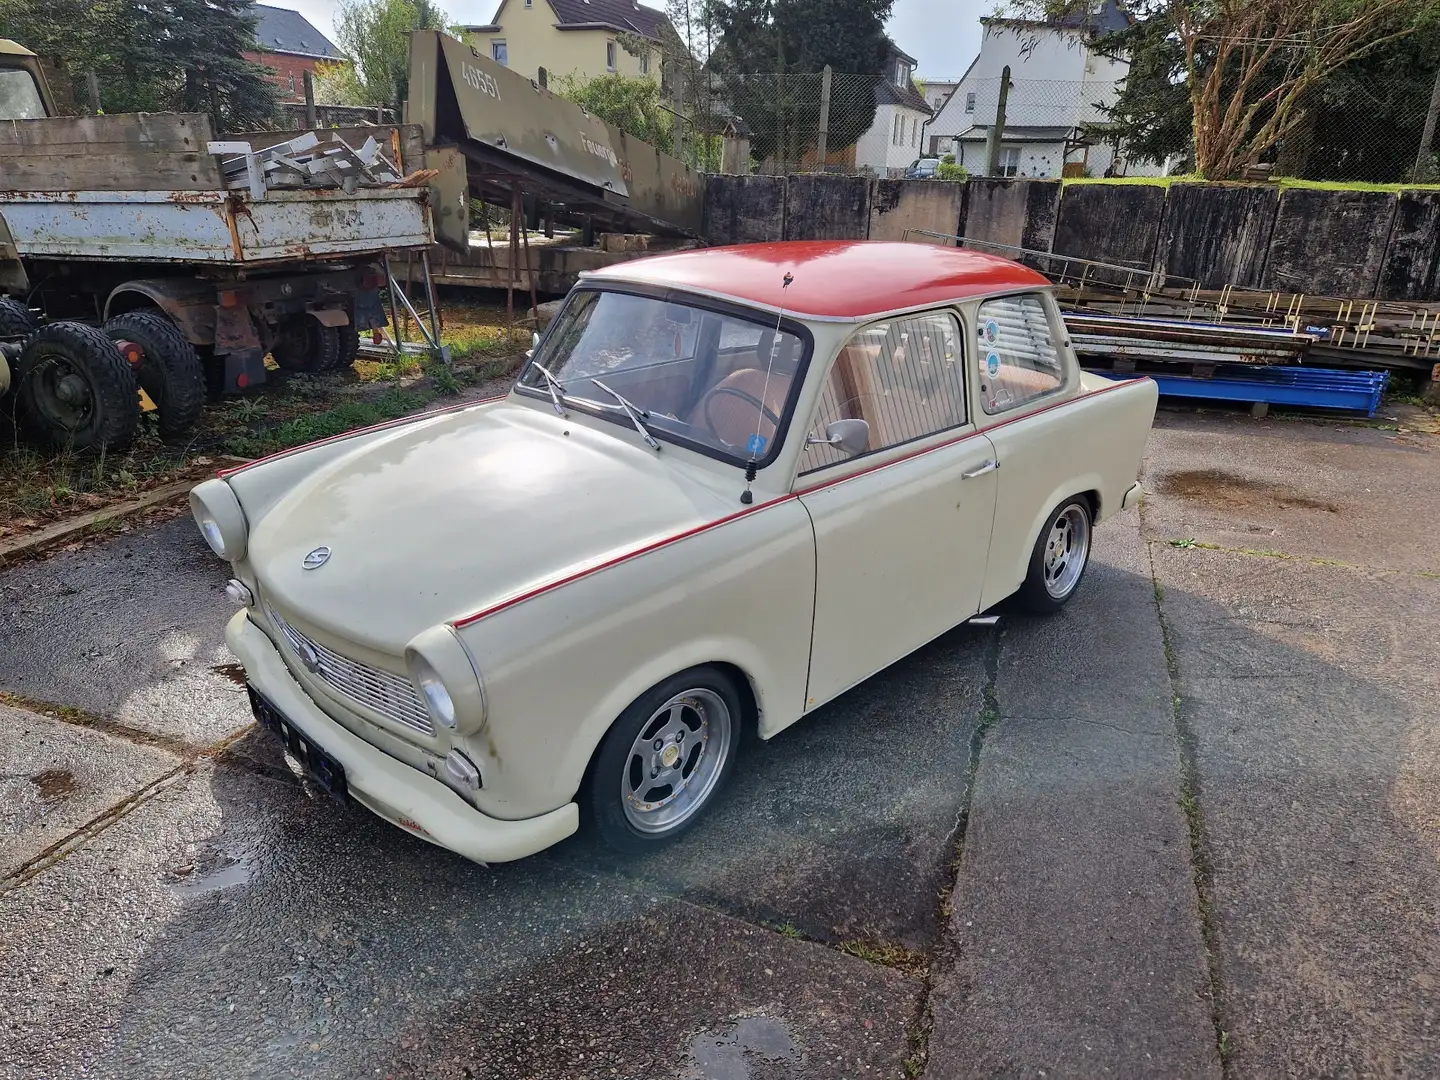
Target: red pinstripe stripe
{"x":399,"y":421}
{"x":549,"y":586}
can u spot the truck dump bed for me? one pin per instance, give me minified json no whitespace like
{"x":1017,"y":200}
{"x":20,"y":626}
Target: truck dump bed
{"x":144,"y":188}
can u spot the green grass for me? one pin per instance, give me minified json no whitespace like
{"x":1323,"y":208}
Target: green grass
{"x":335,"y":421}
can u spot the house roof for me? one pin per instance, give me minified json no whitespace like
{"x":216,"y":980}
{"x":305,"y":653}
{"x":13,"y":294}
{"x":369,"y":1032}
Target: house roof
{"x":887,"y":93}
{"x":845,"y":280}
{"x":1108,"y":18}
{"x":281,"y":30}
{"x":1017,"y":133}
{"x":621,"y":16}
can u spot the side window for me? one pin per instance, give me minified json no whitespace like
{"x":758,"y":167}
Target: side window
{"x":1016,"y":355}
{"x":904,"y":377}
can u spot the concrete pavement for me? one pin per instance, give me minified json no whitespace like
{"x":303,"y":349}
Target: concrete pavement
{"x":1202,"y":837}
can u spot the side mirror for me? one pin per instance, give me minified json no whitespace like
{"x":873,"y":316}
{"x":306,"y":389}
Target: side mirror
{"x":852,"y":436}
{"x":534,"y":344}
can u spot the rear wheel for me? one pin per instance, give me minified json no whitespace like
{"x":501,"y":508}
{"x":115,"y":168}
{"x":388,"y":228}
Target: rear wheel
{"x":349,"y":346}
{"x":75,"y":390}
{"x":304,"y":343}
{"x":16,"y":321}
{"x":665,"y":759}
{"x":1058,"y":561}
{"x":171,"y":372}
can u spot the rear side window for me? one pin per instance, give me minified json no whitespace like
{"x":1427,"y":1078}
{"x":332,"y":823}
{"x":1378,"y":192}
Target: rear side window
{"x":1016,"y":353}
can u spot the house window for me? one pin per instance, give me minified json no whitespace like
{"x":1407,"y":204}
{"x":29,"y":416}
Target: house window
{"x":645,"y":62}
{"x":895,"y":131}
{"x":292,"y":84}
{"x":609,"y":56}
{"x":1017,"y":357}
{"x":970,"y":102}
{"x":902,"y":75}
{"x":903,"y":377}
{"x":1009,"y":161}
{"x":529,"y":3}
{"x":501,"y":52}
{"x":915,"y":132}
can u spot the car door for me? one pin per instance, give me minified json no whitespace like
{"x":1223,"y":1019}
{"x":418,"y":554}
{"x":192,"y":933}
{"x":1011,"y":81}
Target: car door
{"x":901,"y":529}
{"x":1023,"y":368}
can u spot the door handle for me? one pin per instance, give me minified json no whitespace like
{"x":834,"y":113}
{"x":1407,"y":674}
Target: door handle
{"x":981,"y":469}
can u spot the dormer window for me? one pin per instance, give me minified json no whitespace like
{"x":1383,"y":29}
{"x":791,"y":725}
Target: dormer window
{"x":902,"y":74}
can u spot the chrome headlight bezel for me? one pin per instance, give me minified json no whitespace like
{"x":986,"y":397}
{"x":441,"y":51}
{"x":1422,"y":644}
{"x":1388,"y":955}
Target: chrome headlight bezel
{"x":443,"y":672}
{"x":433,"y":692}
{"x":220,"y":518}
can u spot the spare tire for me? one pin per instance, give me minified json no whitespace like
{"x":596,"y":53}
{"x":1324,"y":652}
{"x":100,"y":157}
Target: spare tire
{"x":74,"y":390}
{"x":304,"y":343}
{"x":171,"y":372}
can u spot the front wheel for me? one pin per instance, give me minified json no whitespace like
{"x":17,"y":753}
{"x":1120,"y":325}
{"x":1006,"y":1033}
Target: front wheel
{"x":75,"y":390}
{"x":1058,"y":562}
{"x":661,"y":765}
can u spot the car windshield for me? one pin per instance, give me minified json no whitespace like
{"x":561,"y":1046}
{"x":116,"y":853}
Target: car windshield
{"x":19,"y":96}
{"x":717,"y":382}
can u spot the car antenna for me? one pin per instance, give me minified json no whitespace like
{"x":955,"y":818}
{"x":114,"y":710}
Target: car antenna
{"x":757,"y":445}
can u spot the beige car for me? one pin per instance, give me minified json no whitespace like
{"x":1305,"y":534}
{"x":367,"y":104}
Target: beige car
{"x":729,"y":485}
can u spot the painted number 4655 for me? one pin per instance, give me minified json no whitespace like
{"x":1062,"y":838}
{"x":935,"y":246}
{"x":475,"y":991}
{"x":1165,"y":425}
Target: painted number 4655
{"x":479,"y":80}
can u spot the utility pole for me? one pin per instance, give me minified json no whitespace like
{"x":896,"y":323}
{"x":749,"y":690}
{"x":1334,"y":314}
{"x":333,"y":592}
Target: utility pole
{"x":825,"y":76}
{"x":1422,"y":156}
{"x":997,"y":130}
{"x":310,"y":120}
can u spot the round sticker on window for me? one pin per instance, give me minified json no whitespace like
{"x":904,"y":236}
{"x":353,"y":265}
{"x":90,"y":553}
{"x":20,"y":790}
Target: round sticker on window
{"x":992,"y":364}
{"x":991,"y":331}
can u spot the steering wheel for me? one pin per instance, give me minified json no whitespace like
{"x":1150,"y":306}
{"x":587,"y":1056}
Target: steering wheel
{"x":749,"y":399}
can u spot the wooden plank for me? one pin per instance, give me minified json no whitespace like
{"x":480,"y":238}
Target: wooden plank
{"x":153,"y":132}
{"x":99,"y":171}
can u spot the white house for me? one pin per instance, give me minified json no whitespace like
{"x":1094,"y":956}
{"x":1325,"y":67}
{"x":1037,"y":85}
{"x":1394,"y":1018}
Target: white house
{"x":1054,"y":118}
{"x":894,"y":138}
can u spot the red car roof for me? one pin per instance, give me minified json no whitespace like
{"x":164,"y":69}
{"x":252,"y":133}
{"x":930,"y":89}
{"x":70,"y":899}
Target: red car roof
{"x":832,"y":279}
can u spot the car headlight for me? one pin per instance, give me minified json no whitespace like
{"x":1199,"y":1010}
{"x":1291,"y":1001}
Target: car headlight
{"x":447,"y":678}
{"x":432,"y":689}
{"x":220,"y":518}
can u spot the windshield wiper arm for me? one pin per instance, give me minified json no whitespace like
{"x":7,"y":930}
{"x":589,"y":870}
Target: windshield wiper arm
{"x":554,"y":385}
{"x":632,"y":411}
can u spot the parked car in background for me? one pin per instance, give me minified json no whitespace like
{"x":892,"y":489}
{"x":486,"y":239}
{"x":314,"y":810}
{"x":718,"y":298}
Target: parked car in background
{"x":729,"y":485}
{"x":923,"y":169}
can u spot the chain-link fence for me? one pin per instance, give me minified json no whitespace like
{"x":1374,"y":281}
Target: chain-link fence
{"x":1354,"y":127}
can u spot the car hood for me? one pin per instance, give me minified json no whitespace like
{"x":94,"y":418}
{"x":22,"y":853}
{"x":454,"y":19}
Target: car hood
{"x":436,"y":520}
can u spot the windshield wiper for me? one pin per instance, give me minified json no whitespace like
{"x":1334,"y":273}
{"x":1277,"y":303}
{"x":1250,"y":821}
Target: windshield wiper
{"x":554,"y":385}
{"x":632,"y":411}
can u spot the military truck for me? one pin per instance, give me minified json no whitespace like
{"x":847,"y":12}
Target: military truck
{"x":146,"y":265}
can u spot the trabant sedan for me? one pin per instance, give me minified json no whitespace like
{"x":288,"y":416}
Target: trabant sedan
{"x":726,"y":486}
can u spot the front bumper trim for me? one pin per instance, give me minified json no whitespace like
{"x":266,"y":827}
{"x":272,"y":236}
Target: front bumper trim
{"x":401,"y":795}
{"x":1132,"y":496}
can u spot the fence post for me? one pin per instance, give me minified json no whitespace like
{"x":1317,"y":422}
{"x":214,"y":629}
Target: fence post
{"x":1422,"y":156}
{"x":92,"y":84}
{"x":310,"y":121}
{"x":997,"y":130}
{"x":820,"y":149}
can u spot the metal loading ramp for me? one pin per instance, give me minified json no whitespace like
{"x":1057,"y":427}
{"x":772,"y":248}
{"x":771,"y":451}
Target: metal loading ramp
{"x":515,"y":136}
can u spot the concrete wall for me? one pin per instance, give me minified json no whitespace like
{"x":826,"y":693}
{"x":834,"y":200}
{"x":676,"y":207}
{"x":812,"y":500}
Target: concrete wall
{"x":744,"y":209}
{"x":1217,"y":235}
{"x":1114,"y":223}
{"x":897,"y":205}
{"x":821,"y":207}
{"x":1411,"y":270}
{"x":1329,"y":242}
{"x":1020,"y":213}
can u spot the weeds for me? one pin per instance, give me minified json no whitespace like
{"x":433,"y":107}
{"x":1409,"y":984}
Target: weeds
{"x":347,"y":417}
{"x":887,"y":954}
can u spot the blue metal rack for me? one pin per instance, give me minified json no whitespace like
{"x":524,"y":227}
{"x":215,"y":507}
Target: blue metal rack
{"x":1305,"y":387}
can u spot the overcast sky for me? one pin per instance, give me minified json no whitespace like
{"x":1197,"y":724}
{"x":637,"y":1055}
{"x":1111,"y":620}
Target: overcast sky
{"x":943,"y":35}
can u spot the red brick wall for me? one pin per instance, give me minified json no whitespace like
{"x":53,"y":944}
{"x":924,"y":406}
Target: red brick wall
{"x":287,"y":68}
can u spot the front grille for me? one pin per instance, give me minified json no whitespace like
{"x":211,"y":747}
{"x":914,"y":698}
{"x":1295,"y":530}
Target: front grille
{"x":392,"y":696}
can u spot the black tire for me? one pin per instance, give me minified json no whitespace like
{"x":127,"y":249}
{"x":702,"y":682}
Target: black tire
{"x":349,"y":347}
{"x":74,"y":390}
{"x":171,"y":372}
{"x":615,"y":760}
{"x":305,"y":344}
{"x":1038,"y":594}
{"x":16,"y":321}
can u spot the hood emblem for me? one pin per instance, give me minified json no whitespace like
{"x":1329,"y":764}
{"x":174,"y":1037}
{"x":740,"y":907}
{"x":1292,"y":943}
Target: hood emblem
{"x":316,"y":559}
{"x":309,"y":657}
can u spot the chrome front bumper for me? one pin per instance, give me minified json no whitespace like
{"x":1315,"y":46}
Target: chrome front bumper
{"x":401,"y":795}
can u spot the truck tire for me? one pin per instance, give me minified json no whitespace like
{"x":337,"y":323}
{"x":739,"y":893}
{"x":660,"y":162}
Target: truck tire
{"x":74,"y":389}
{"x":171,"y":372}
{"x":306,"y":344}
{"x":16,"y":320}
{"x":349,"y":347}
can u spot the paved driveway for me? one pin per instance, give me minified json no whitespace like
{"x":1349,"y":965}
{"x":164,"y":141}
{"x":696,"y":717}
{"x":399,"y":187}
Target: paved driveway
{"x":1189,"y":825}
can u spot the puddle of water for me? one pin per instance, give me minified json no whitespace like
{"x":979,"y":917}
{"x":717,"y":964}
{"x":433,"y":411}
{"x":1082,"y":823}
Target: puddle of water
{"x":1222,"y":490}
{"x":234,"y":672}
{"x":54,"y":783}
{"x":728,"y":1056}
{"x":225,"y":876}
